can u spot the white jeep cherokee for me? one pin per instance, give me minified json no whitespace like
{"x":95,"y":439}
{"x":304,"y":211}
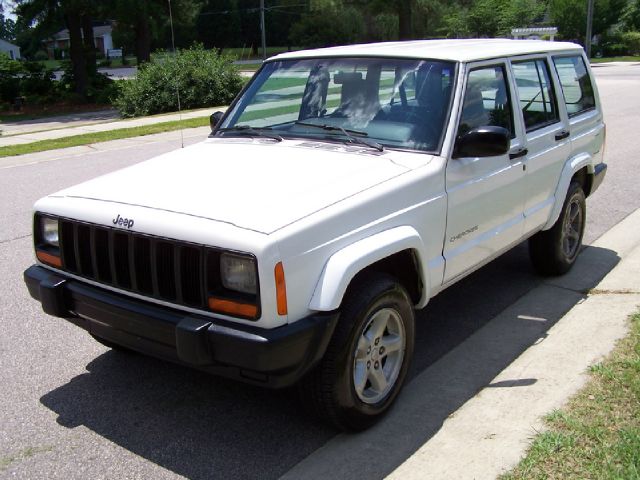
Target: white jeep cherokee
{"x":342,"y":189}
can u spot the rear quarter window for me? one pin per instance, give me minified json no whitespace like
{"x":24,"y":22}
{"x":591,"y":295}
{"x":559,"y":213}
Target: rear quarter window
{"x":576,"y":84}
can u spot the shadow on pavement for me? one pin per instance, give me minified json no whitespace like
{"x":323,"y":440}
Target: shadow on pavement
{"x":201,"y":427}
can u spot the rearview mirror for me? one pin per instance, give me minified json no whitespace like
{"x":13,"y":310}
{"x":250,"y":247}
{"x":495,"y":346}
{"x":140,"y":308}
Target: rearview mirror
{"x":489,"y":141}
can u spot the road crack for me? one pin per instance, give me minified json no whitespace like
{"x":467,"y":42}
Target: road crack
{"x":2,"y":242}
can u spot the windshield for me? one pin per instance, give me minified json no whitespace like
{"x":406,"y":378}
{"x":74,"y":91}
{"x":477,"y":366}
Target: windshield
{"x":379,"y":102}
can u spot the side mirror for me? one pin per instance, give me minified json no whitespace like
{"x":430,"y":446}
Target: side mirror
{"x":489,"y":141}
{"x":214,"y":119}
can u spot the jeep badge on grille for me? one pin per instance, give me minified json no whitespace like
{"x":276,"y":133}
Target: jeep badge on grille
{"x":123,"y":222}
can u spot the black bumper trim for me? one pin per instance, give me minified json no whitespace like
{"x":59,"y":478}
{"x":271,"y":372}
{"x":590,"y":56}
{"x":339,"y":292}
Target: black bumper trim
{"x":599,"y":172}
{"x":276,"y":358}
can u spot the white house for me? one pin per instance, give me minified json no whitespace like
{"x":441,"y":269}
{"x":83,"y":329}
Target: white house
{"x":101,"y":36}
{"x":10,"y":49}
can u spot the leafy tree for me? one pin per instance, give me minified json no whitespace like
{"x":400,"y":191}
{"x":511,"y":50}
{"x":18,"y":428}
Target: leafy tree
{"x":631,"y":16}
{"x":218,"y":24}
{"x":404,"y":17}
{"x":7,"y":28}
{"x":570,"y":17}
{"x":144,"y":24}
{"x":329,"y":23}
{"x":491,"y":18}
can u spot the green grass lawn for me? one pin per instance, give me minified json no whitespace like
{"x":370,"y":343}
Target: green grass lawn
{"x":597,"y":435}
{"x":90,"y":138}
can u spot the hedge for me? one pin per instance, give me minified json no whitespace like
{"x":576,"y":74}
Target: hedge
{"x":202,"y":77}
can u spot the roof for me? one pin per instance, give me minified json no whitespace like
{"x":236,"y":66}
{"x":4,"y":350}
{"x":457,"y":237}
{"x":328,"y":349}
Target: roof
{"x":98,"y":31}
{"x":456,"y":50}
{"x":6,"y":44}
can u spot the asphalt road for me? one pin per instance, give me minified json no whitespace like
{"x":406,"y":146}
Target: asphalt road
{"x":74,"y":409}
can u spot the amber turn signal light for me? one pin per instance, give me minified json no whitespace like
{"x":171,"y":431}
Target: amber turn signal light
{"x":230,"y":307}
{"x":281,"y":289}
{"x":49,"y":259}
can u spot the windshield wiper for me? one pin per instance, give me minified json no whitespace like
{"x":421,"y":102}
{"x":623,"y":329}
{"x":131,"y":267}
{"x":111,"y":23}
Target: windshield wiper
{"x":354,"y":136}
{"x":252,"y":131}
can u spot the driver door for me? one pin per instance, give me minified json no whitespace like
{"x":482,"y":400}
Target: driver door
{"x":486,"y":194}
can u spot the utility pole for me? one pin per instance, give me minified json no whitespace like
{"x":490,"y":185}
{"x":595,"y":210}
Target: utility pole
{"x":587,"y":40}
{"x":264,"y":35}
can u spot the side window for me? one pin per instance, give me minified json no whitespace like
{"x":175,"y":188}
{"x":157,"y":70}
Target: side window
{"x":486,"y":100}
{"x":576,"y":84}
{"x":537,"y":99}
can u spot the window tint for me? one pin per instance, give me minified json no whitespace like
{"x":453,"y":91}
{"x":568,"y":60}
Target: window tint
{"x":486,"y":101}
{"x":537,"y":99}
{"x":576,"y":84}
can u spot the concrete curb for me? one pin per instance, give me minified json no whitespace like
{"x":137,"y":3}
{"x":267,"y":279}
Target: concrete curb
{"x":469,"y":417}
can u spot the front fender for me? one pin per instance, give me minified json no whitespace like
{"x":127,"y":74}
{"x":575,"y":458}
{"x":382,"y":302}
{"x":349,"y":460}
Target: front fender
{"x":343,"y":265}
{"x":570,"y":168}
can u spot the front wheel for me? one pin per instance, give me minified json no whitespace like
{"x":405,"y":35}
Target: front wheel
{"x":366,"y":362}
{"x":554,"y":251}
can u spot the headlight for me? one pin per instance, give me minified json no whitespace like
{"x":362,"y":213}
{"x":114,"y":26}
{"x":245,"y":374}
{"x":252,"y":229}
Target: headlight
{"x":238,"y":273}
{"x":49,"y":230}
{"x":47,"y":240}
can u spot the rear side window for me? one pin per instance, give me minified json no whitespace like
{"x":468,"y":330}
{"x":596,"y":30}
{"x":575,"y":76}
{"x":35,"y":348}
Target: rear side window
{"x":576,"y":84}
{"x":486,"y":101}
{"x":537,"y":99}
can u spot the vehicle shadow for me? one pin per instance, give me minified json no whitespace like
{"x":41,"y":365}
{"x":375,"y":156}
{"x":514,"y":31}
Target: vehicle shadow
{"x":201,"y":427}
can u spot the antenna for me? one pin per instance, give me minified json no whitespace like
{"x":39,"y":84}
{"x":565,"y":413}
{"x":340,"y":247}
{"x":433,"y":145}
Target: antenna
{"x":173,"y":46}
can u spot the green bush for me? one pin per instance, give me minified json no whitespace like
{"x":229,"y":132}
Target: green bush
{"x":40,"y":56}
{"x":202,"y":77}
{"x":10,"y":72}
{"x":37,"y":80}
{"x":632,"y":42}
{"x":100,"y":88}
{"x":617,"y":44}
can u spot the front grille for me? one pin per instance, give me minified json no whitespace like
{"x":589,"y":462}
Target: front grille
{"x":157,"y":267}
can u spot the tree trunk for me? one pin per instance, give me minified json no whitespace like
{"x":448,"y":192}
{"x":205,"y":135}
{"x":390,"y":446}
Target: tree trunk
{"x":143,"y":39}
{"x":76,"y":51}
{"x":404,"y":19}
{"x":89,"y":44}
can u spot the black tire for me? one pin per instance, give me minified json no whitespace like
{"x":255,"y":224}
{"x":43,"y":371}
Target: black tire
{"x":376,"y":304}
{"x":554,"y":251}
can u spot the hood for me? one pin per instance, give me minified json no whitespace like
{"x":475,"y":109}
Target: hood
{"x":254,"y":184}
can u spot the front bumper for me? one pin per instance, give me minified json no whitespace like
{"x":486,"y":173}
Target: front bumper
{"x":274,"y":358}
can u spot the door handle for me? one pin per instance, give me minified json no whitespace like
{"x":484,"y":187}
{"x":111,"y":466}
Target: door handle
{"x":518,"y":153}
{"x":562,"y":135}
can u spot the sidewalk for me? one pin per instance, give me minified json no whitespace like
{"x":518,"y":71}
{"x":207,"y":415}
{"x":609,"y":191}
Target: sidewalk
{"x":470,"y":416}
{"x":77,"y":124}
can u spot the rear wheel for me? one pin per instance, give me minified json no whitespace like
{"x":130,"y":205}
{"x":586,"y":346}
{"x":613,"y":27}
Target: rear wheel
{"x":554,"y":251}
{"x":366,"y":362}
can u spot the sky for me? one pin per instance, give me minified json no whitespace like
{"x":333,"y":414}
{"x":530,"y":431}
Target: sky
{"x":8,"y":9}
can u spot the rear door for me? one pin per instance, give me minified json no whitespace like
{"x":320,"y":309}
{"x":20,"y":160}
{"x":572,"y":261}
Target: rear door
{"x":485,"y":195}
{"x":547,"y":136}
